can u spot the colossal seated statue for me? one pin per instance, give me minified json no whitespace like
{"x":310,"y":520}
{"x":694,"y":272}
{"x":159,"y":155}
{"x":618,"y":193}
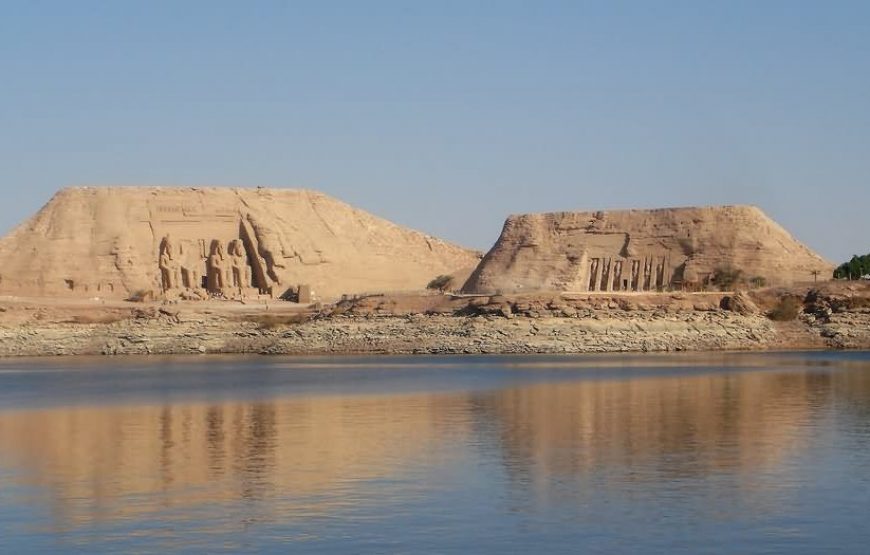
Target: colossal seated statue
{"x":191,"y":264}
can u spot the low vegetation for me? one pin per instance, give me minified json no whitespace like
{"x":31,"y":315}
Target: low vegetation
{"x":441,"y":283}
{"x":786,"y":309}
{"x":757,"y":282}
{"x":726,"y":278}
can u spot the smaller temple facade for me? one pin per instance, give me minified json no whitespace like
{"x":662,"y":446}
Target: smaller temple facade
{"x":642,"y":250}
{"x":616,"y":273}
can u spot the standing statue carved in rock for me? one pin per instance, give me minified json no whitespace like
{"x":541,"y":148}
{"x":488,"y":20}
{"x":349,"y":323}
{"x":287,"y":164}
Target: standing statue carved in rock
{"x":239,"y":271}
{"x":216,"y":268}
{"x":169,"y":267}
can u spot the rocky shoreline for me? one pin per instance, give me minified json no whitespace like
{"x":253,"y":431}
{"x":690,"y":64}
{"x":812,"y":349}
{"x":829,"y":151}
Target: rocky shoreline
{"x":399,"y":335}
{"x":491,"y":325}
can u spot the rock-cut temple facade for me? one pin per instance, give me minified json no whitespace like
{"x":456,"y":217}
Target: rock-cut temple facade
{"x":642,"y":250}
{"x":215,"y":242}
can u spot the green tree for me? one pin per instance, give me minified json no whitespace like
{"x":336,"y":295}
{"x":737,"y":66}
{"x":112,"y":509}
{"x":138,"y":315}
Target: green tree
{"x":853,"y":269}
{"x":441,"y":283}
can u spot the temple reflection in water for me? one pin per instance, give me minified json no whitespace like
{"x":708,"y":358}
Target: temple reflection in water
{"x":297,"y":457}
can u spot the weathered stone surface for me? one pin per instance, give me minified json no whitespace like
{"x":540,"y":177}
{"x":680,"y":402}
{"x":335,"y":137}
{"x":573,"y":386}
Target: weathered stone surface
{"x":740,"y":303}
{"x":642,"y":250}
{"x":391,"y":334}
{"x":407,"y":323}
{"x":111,"y":242}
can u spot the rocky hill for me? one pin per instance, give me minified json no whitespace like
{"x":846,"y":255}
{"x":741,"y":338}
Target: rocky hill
{"x":643,"y":250}
{"x":113,"y":242}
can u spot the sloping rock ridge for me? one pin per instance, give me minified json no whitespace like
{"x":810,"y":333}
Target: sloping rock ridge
{"x":643,"y":250}
{"x":113,"y":242}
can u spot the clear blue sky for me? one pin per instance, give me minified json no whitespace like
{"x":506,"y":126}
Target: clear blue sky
{"x":449,"y":115}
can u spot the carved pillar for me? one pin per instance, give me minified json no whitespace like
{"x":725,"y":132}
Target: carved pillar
{"x":605,"y":274}
{"x":647,"y":272}
{"x":594,"y":267}
{"x":635,"y":274}
{"x":667,"y":273}
{"x":660,"y":274}
{"x":617,"y":275}
{"x":582,"y":280}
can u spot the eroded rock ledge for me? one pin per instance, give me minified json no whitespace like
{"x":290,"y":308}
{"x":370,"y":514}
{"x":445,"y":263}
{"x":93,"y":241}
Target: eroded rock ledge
{"x":434,"y":324}
{"x":390,"y":334}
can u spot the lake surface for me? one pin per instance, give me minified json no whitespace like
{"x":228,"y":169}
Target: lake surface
{"x":716,"y":453}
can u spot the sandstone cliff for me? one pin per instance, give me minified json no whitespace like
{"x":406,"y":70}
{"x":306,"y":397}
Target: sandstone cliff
{"x":642,"y":250}
{"x":113,"y":241}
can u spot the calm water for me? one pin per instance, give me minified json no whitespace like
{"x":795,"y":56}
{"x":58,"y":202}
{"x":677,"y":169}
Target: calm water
{"x":739,"y":453}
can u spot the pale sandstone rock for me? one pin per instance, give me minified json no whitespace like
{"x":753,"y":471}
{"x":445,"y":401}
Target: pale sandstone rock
{"x":180,"y":242}
{"x":641,"y":250}
{"x":740,"y":303}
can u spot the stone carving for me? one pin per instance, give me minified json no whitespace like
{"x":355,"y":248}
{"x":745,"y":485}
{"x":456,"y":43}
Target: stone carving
{"x":626,"y":274}
{"x":169,"y":266}
{"x":259,"y":269}
{"x":216,"y":268}
{"x":240,"y":272}
{"x":191,"y":267}
{"x":640,"y":250}
{"x":269,"y":247}
{"x":620,"y":273}
{"x":185,"y":267}
{"x":108,"y":241}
